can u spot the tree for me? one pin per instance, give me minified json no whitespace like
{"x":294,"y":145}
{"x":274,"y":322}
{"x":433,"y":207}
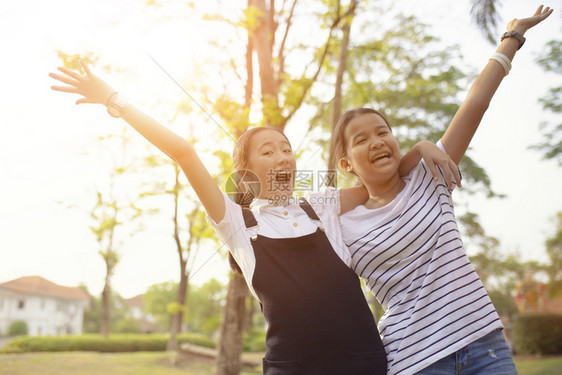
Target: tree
{"x":205,"y":306}
{"x":554,"y":252}
{"x":107,"y":214}
{"x":485,"y":14}
{"x":186,"y":246}
{"x":551,"y":146}
{"x":119,"y":317}
{"x":156,"y":299}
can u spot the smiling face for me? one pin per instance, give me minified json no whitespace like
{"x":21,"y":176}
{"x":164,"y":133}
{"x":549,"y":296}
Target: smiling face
{"x":271,"y":158}
{"x":371,"y":150}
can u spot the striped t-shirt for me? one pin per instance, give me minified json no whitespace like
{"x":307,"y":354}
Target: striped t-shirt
{"x":411,"y":256}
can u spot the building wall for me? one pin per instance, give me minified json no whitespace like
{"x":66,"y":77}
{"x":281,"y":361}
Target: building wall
{"x":44,"y":315}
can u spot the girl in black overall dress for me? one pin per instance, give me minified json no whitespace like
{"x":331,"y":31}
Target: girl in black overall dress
{"x":319,"y":321}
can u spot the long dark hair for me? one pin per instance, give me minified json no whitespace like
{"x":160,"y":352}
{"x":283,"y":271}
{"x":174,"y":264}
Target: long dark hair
{"x":339,"y":142}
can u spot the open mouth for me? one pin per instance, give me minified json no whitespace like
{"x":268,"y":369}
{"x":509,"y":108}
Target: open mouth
{"x":379,"y":158}
{"x":282,"y":176}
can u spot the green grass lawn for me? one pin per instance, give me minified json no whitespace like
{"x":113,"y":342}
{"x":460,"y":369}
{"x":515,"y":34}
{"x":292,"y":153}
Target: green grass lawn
{"x":158,"y":363}
{"x":538,"y":366}
{"x":92,"y":363}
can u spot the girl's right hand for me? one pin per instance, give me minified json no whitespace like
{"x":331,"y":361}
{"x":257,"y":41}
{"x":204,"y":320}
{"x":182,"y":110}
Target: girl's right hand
{"x":92,"y":88}
{"x":433,"y":157}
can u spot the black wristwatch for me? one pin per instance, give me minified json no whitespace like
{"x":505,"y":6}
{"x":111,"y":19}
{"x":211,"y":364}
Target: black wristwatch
{"x":516,"y":35}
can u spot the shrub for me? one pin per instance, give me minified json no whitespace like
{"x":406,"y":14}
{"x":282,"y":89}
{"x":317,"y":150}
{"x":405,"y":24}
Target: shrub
{"x":127,"y":325}
{"x":17,"y":328}
{"x":97,"y":343}
{"x":254,"y":341}
{"x":538,"y":334}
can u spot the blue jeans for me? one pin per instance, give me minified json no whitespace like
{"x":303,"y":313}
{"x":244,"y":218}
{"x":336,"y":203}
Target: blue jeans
{"x":489,"y":355}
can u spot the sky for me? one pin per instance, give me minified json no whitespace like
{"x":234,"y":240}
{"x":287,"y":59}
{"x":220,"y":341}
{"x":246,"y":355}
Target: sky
{"x":49,"y":153}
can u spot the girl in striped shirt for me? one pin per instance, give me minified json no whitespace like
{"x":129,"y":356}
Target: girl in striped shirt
{"x":405,"y":243}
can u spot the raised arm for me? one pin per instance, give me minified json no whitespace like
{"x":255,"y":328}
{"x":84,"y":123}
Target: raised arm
{"x":458,"y":135}
{"x":96,"y":91}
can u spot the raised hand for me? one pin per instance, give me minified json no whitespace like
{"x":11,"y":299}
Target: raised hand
{"x":92,"y":88}
{"x":522,"y":25}
{"x":433,"y":157}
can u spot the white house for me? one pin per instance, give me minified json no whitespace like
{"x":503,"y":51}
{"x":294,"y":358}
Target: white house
{"x":46,"y":308}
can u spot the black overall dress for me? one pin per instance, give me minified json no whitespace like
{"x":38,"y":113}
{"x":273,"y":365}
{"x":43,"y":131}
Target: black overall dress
{"x":319,"y":322}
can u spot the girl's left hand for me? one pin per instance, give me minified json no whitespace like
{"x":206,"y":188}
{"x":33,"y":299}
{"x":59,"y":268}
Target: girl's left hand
{"x":522,"y":25}
{"x":433,"y":157}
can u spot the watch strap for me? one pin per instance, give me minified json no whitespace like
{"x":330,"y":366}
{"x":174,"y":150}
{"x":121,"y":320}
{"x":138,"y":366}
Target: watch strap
{"x":516,"y":35}
{"x":115,"y":105}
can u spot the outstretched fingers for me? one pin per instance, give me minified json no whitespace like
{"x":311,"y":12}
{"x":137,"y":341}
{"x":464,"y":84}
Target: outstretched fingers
{"x":71,"y":73}
{"x":541,"y":14}
{"x":85,"y":67}
{"x":64,"y":79}
{"x":70,"y":89}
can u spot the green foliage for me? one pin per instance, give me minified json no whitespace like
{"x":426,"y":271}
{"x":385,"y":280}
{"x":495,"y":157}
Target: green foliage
{"x":551,"y":145}
{"x":204,"y":307}
{"x":119,"y":320}
{"x":485,"y":15}
{"x":554,"y":252}
{"x":97,"y":343}
{"x":17,"y":328}
{"x":127,"y":325}
{"x":538,"y":334}
{"x":174,"y":308}
{"x":254,"y":340}
{"x":202,"y":311}
{"x":503,"y":302}
{"x":156,"y":300}
{"x":72,"y":60}
{"x":406,"y":73}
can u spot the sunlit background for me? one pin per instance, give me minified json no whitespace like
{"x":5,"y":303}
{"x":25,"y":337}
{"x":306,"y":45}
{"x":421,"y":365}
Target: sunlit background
{"x":51,"y":159}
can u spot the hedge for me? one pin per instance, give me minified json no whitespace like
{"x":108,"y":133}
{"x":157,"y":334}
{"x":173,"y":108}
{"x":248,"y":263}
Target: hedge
{"x":97,"y":343}
{"x":538,"y":334}
{"x":17,"y":328}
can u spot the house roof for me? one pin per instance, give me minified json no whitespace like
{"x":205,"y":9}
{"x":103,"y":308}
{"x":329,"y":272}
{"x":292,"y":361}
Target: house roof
{"x":136,"y":301}
{"x":36,"y":285}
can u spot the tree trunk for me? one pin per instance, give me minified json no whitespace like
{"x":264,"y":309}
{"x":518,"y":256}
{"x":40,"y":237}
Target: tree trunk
{"x":250,"y":312}
{"x":232,"y":328}
{"x":263,"y":38}
{"x":337,"y":102}
{"x":177,"y":318}
{"x":105,"y":305}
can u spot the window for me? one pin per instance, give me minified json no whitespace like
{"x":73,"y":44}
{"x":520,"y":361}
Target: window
{"x":21,"y":304}
{"x":1,"y":304}
{"x":42,"y":304}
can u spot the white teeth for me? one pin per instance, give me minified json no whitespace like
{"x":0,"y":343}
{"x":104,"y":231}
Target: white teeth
{"x":282,"y":176}
{"x":380,"y":157}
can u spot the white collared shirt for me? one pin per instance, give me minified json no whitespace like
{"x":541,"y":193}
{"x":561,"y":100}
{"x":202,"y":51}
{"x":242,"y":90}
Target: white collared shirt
{"x":279,"y":221}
